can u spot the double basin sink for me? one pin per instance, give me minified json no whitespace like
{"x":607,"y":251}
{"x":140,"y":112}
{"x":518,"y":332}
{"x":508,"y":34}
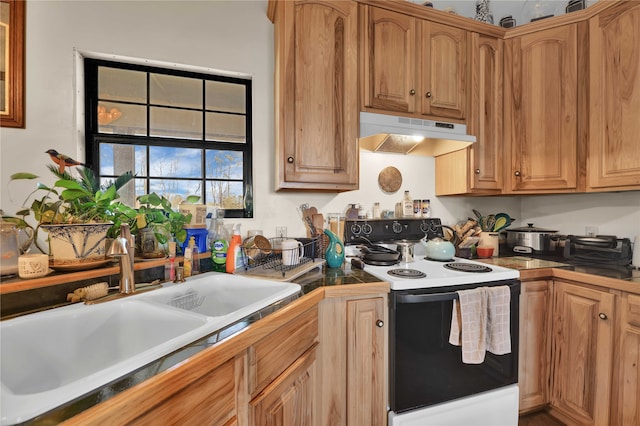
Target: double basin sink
{"x":52,"y":357}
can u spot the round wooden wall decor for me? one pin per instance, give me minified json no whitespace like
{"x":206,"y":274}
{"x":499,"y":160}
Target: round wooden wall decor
{"x":390,"y":179}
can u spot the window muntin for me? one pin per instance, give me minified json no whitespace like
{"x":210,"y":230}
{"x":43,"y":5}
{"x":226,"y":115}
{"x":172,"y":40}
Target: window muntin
{"x":182,"y":133}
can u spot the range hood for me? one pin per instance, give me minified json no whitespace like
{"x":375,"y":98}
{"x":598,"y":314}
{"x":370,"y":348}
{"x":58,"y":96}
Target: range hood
{"x":405,"y":135}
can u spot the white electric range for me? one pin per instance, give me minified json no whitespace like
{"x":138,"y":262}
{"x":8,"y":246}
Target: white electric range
{"x":428,"y":382}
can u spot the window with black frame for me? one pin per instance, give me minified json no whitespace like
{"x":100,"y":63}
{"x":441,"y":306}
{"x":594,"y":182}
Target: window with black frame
{"x":180,"y":132}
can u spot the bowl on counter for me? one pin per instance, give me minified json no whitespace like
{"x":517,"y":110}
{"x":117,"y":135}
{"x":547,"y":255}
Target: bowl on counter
{"x":484,"y":252}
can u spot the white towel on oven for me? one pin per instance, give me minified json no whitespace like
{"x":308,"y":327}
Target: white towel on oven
{"x":480,"y":321}
{"x":469,"y":324}
{"x":498,"y":320}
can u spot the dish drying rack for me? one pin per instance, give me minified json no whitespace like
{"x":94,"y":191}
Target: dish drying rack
{"x":261,"y":261}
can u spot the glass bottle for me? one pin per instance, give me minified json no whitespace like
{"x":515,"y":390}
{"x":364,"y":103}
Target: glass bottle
{"x":407,"y":205}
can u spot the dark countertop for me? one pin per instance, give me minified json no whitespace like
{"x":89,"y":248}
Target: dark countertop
{"x":625,"y":273}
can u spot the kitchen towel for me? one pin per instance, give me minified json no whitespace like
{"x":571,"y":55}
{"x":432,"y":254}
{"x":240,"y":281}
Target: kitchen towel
{"x":480,"y":321}
{"x":469,"y":324}
{"x":498,"y":319}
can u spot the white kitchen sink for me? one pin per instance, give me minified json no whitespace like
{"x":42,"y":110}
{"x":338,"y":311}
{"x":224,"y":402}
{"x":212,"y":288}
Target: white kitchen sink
{"x":52,"y":357}
{"x":223,"y":295}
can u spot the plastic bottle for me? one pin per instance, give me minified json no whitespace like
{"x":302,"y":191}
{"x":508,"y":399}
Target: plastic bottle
{"x":187,"y":261}
{"x":234,"y":250}
{"x":195,"y":260}
{"x":170,"y":268}
{"x":407,"y":205}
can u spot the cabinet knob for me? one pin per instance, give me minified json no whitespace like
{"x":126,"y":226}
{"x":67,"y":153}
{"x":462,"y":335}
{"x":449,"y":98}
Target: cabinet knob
{"x":602,"y":316}
{"x":517,"y":173}
{"x":412,"y":91}
{"x":379,"y":323}
{"x":427,"y":95}
{"x":477,"y":171}
{"x":290,"y":160}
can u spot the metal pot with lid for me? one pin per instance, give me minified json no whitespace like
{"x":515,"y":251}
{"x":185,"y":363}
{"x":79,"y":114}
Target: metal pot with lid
{"x":529,"y":239}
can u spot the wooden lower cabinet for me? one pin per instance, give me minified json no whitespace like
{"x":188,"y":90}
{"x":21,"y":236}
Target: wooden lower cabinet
{"x":352,"y":388}
{"x":626,"y":388}
{"x":535,"y":346}
{"x":208,"y":400}
{"x":290,"y":399}
{"x":583,"y":343}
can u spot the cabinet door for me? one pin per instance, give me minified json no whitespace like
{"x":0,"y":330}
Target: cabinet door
{"x":366,"y":402}
{"x":290,"y":399}
{"x":316,"y":95}
{"x":626,"y":383}
{"x":535,"y":348}
{"x":614,"y":149}
{"x":583,"y":349}
{"x":485,"y":120}
{"x":210,"y":400}
{"x":389,"y":52}
{"x":443,"y":72}
{"x":541,"y":110}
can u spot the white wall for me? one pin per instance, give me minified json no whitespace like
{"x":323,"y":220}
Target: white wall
{"x":234,"y":36}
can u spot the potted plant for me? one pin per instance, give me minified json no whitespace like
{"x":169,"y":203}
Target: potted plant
{"x":76,"y":212}
{"x":153,"y":219}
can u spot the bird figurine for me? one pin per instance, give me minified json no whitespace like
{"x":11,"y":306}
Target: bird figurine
{"x":62,"y":160}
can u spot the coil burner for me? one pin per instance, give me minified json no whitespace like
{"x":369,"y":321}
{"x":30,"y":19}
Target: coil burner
{"x":467,"y":267}
{"x":406,"y":273}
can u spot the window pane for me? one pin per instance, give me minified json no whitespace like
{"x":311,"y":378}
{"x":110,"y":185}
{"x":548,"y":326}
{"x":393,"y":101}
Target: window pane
{"x":116,"y":159}
{"x":225,"y":194}
{"x":172,"y":90}
{"x":122,"y":85}
{"x":226,"y":128}
{"x":224,"y":164}
{"x":175,"y":162}
{"x":122,"y":119}
{"x":225,"y":97}
{"x":176,"y":191}
{"x":175,"y":123}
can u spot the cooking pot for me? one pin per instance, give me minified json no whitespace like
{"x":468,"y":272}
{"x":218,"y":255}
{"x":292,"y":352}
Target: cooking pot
{"x":441,"y":249}
{"x":406,"y":251}
{"x":529,"y":239}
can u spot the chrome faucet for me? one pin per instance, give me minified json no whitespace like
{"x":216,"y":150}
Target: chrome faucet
{"x":123,"y":249}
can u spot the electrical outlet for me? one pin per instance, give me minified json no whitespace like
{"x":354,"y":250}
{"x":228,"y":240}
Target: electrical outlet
{"x":281,"y":231}
{"x":591,"y":231}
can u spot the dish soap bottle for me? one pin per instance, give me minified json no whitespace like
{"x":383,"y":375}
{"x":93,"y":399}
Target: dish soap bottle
{"x":234,"y":250}
{"x":187,"y":261}
{"x":195,"y":261}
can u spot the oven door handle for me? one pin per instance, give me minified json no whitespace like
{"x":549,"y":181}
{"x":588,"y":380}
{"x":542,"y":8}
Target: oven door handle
{"x":426,"y":298}
{"x":441,"y":297}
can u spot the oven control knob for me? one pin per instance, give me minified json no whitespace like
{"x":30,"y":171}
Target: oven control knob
{"x":367,"y":229}
{"x":397,"y":227}
{"x":380,"y":323}
{"x":356,"y":229}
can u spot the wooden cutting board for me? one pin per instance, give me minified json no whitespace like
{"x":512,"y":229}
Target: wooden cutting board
{"x":390,"y":179}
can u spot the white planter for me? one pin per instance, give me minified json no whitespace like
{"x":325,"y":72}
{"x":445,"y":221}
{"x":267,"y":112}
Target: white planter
{"x":77,"y":243}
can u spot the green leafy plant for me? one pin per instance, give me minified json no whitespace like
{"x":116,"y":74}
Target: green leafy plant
{"x":155,"y":212}
{"x":72,"y":200}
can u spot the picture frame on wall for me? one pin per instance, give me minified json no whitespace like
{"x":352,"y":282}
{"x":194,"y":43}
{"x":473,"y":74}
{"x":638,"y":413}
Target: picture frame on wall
{"x":12,"y":60}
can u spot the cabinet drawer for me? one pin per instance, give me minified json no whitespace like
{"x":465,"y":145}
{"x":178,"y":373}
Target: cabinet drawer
{"x":633,"y":310}
{"x":209,"y":400}
{"x":274,"y":353}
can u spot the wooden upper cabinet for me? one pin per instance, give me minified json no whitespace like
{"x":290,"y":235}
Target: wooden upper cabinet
{"x":316,"y":96}
{"x":478,"y":169}
{"x":614,"y":141}
{"x":541,"y":111}
{"x":412,"y":66}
